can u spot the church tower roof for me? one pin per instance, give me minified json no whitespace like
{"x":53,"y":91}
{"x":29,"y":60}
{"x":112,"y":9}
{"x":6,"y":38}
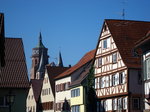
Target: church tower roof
{"x":40,"y":44}
{"x":41,"y":64}
{"x":60,"y":62}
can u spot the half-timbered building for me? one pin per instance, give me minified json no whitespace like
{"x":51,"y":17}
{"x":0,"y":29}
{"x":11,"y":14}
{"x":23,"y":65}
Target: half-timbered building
{"x":117,"y":72}
{"x":144,"y":45}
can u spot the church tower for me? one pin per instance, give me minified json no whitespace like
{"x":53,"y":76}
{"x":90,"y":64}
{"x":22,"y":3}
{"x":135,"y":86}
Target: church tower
{"x":60,"y":62}
{"x":40,"y":51}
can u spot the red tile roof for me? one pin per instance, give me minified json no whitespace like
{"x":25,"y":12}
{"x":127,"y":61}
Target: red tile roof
{"x":125,"y":33}
{"x":86,"y":58}
{"x":14,"y":73}
{"x":37,"y":87}
{"x":54,"y":71}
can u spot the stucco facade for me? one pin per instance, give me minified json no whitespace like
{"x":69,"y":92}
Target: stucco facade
{"x":78,"y":100}
{"x":47,"y":96}
{"x":62,"y":94}
{"x":30,"y":101}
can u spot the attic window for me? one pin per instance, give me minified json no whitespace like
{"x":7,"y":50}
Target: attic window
{"x":105,"y":27}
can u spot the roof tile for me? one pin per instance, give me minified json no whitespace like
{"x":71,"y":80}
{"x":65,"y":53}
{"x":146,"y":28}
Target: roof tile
{"x":125,"y":33}
{"x":86,"y":58}
{"x":14,"y":73}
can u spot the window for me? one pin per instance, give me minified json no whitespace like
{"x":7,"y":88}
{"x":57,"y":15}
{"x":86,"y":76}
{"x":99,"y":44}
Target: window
{"x":105,"y":105}
{"x":115,"y":79}
{"x":3,"y":102}
{"x":97,"y":85}
{"x":98,"y":106}
{"x":114,"y":58}
{"x":102,"y":106}
{"x":75,"y":108}
{"x":120,"y":104}
{"x":110,"y":80}
{"x":102,"y":82}
{"x":122,"y":78}
{"x":49,"y":91}
{"x":114,"y":104}
{"x":124,"y":103}
{"x":106,"y":43}
{"x":107,"y":81}
{"x":147,"y":67}
{"x":99,"y":62}
{"x":29,"y":97}
{"x":136,"y":103}
{"x":75,"y":92}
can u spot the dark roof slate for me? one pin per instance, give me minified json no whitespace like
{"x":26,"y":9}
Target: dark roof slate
{"x":82,"y":75}
{"x":143,"y":40}
{"x":14,"y":73}
{"x":37,"y":87}
{"x":54,"y":71}
{"x":125,"y":33}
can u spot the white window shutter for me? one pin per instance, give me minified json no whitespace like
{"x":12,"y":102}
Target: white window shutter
{"x":110,"y":80}
{"x":108,"y":43}
{"x":95,"y":83}
{"x":124,"y":77}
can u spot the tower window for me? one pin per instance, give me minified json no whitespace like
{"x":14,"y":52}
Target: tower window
{"x":35,"y":61}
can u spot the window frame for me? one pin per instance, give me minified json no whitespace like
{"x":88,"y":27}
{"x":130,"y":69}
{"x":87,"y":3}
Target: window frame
{"x":114,"y":58}
{"x":136,"y":106}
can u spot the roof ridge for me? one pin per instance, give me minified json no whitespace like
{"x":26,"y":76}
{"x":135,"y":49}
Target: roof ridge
{"x":125,"y":20}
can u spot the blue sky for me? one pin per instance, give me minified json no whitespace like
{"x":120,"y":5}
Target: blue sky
{"x":72,"y":26}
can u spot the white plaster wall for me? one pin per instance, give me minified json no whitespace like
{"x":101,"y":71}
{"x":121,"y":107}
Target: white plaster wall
{"x":109,"y":104}
{"x":60,"y":96}
{"x":30,"y":102}
{"x":49,"y":97}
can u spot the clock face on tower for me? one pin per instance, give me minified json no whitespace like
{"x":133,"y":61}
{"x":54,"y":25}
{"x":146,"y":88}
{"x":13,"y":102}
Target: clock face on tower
{"x":35,"y":52}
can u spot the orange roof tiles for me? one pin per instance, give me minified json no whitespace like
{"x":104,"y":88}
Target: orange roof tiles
{"x":14,"y":73}
{"x":125,"y":33}
{"x":86,"y":58}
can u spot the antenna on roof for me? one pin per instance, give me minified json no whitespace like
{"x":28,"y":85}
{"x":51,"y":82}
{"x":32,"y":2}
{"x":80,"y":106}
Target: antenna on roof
{"x":123,"y":11}
{"x":123,"y":14}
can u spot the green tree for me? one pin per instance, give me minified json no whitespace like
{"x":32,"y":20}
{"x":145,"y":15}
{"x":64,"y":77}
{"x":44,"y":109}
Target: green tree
{"x":91,"y":95}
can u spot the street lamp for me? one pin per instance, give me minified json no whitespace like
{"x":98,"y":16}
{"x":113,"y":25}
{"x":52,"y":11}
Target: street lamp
{"x":10,"y":100}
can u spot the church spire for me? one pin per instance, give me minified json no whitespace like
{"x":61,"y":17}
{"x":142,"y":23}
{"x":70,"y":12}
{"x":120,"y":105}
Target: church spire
{"x":41,"y":68}
{"x":60,"y":62}
{"x":40,"y":44}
